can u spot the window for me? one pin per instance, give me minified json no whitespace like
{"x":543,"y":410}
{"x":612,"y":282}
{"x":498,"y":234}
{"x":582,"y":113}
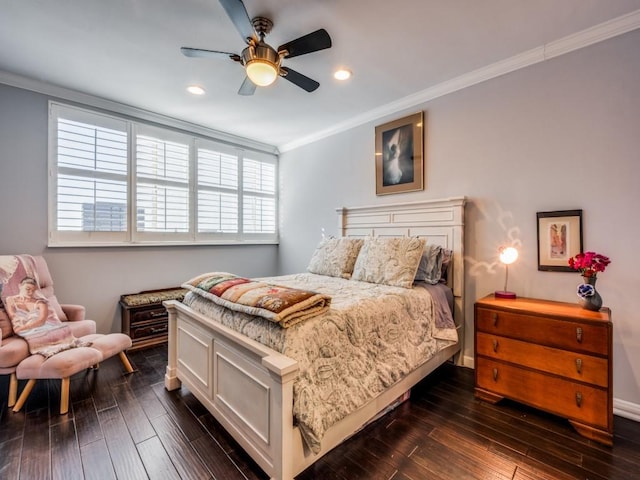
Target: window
{"x":115,"y":181}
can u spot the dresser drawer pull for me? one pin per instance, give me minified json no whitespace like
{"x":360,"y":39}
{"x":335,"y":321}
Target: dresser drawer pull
{"x":494,"y":317}
{"x":162,"y":313}
{"x":495,"y":374}
{"x":495,"y":345}
{"x":579,"y":365}
{"x":159,"y":329}
{"x":578,"y":399}
{"x":579,"y":334}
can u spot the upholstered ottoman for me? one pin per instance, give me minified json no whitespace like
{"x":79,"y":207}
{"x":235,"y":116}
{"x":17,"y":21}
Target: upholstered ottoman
{"x":69,"y":362}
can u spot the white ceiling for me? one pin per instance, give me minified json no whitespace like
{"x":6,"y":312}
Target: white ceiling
{"x":128,"y":51}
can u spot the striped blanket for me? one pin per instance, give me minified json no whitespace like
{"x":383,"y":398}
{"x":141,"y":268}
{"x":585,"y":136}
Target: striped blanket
{"x":283,"y":305}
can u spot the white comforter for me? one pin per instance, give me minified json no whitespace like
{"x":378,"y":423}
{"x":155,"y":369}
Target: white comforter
{"x":371,"y":337}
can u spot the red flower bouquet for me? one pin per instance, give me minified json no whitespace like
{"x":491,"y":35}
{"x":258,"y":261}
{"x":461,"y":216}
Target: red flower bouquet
{"x":589,"y":263}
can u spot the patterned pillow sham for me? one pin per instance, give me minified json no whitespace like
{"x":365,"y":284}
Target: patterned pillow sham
{"x":335,"y":257}
{"x":389,"y":261}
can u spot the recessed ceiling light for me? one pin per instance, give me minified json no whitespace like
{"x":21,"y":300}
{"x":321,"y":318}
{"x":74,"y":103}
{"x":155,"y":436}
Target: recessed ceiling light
{"x":342,"y":74}
{"x":195,"y":90}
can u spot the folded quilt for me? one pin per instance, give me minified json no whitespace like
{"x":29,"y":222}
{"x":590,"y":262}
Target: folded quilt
{"x":283,"y":305}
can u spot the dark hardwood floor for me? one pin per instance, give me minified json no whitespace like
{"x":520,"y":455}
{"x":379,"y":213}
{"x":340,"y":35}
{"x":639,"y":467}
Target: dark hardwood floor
{"x":130,"y":427}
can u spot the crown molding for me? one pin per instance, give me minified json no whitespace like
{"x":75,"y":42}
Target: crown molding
{"x":84,"y":99}
{"x":598,"y":33}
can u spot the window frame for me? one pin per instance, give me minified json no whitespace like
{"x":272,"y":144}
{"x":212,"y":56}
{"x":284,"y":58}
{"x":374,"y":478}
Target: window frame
{"x":133,"y":237}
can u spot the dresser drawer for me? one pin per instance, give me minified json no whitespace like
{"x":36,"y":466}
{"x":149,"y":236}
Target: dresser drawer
{"x":575,"y":336}
{"x":139,"y":315}
{"x":148,"y":330}
{"x":556,"y":395}
{"x":575,"y":366}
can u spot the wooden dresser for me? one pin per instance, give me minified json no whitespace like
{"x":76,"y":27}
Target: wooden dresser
{"x":144,"y":318}
{"x":551,"y":355}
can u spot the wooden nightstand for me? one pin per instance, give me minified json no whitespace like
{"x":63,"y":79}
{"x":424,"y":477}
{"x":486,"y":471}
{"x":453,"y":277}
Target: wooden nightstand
{"x":551,"y":355}
{"x":144,"y":318}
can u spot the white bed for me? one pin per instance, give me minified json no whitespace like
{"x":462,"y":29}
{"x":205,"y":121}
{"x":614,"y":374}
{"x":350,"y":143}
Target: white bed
{"x":248,"y":387}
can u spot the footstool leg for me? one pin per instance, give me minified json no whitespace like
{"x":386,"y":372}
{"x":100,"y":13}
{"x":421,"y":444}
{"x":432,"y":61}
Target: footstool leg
{"x":64,"y":395}
{"x":126,"y":362}
{"x":24,"y":395}
{"x":13,"y":389}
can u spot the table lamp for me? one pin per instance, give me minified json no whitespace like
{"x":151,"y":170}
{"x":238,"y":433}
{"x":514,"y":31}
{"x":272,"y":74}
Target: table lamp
{"x":508,"y":255}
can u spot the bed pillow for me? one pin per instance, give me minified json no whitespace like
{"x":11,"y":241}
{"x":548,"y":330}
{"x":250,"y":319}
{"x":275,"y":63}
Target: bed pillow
{"x":335,"y":257}
{"x":389,"y":260}
{"x":447,"y":255}
{"x":430,"y":267}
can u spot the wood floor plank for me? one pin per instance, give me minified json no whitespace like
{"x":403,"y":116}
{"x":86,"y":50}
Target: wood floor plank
{"x":66,"y":463}
{"x":184,"y":457}
{"x":36,"y":459}
{"x":156,"y":460}
{"x":176,"y":408}
{"x":122,"y":450}
{"x":139,"y":426}
{"x":10,"y":453}
{"x":87,"y":423}
{"x":96,"y":461}
{"x":215,"y":459}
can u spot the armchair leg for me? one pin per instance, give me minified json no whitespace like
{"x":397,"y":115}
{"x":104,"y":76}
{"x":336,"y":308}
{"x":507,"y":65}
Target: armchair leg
{"x":64,"y":395}
{"x":126,"y":362}
{"x":24,"y":395}
{"x":13,"y":389}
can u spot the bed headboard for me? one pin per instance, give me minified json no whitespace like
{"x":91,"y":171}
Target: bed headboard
{"x":441,"y":222}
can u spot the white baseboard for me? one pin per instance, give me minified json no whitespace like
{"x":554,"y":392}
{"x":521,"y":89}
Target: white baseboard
{"x":626,"y":409}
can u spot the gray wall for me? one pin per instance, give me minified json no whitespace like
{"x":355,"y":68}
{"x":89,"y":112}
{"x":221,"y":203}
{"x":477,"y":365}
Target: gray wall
{"x":93,"y":277}
{"x":563,"y":134}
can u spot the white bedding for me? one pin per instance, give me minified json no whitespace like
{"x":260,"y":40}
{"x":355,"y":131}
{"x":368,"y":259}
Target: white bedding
{"x":371,"y":337}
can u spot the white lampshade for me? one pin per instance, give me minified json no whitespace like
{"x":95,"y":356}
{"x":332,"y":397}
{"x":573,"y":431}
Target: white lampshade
{"x":508,"y":255}
{"x":261,"y":73}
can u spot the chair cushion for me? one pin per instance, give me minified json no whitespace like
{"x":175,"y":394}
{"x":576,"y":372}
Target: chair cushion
{"x":13,"y":351}
{"x":81,"y":328}
{"x":109,"y":344}
{"x":60,"y":365}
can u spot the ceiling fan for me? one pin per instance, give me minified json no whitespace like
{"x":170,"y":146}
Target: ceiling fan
{"x":263,"y":63}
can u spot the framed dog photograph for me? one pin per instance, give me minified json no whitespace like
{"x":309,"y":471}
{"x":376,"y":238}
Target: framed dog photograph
{"x":559,"y":239}
{"x":399,"y":155}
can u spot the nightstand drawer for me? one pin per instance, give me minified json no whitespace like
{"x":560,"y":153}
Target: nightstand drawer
{"x":581,"y":337}
{"x":575,"y":366}
{"x":563,"y":397}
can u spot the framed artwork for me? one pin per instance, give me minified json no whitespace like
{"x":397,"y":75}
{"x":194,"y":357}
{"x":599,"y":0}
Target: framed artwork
{"x":399,"y":158}
{"x":559,"y":239}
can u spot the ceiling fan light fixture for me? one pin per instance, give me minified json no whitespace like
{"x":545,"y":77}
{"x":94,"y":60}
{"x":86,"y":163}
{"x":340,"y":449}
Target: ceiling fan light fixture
{"x":196,"y":90}
{"x":261,"y":72}
{"x":342,"y":74}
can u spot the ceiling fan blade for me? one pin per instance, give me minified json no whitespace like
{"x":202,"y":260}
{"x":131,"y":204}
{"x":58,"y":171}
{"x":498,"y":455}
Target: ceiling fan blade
{"x":203,"y":53}
{"x":247,"y":87}
{"x":312,"y":42}
{"x":300,"y":80}
{"x":238,"y":14}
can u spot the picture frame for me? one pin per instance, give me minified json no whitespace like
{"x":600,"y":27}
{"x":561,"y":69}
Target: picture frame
{"x":399,"y":155}
{"x":559,"y":239}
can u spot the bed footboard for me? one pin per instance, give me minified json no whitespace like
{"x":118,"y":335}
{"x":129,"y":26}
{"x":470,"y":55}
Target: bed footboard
{"x":245,"y":385}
